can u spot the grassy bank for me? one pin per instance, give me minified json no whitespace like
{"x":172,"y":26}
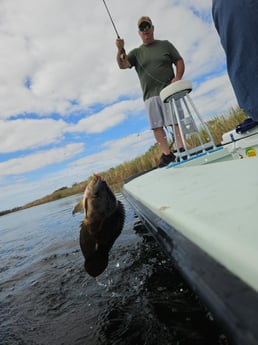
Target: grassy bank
{"x":115,"y":176}
{"x":217,"y":126}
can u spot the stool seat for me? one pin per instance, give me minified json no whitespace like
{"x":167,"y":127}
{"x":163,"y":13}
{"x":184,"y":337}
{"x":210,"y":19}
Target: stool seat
{"x":176,"y":90}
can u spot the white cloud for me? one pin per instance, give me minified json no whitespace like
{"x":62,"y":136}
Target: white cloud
{"x":59,"y":57}
{"x":39,"y":160}
{"x":130,"y":146}
{"x":18,"y":135}
{"x":67,"y":49}
{"x":214,"y":96}
{"x":116,"y":152}
{"x":108,"y":117}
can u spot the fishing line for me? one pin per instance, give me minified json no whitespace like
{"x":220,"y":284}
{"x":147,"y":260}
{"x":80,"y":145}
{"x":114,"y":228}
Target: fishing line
{"x":146,"y":72}
{"x":123,"y":50}
{"x":157,"y":80}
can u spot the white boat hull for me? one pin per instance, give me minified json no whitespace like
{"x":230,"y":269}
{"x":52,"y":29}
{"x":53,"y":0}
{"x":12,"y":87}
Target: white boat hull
{"x":203,"y":212}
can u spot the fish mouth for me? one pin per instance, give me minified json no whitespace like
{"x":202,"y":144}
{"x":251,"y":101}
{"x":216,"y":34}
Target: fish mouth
{"x":92,"y":187}
{"x":97,"y":180}
{"x":96,"y":184}
{"x":97,"y":176}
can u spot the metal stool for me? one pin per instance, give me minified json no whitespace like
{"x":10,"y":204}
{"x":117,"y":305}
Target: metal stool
{"x":190,"y":123}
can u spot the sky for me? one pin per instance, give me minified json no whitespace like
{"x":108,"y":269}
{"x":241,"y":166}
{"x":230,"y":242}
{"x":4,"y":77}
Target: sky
{"x":66,"y":109}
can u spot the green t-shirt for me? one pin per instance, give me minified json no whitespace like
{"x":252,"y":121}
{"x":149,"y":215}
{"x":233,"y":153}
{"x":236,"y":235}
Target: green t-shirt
{"x":153,"y":63}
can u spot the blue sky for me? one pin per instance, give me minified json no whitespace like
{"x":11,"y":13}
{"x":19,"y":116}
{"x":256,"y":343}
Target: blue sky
{"x":66,"y":110}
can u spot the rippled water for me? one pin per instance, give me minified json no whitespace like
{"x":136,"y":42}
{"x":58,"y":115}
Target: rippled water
{"x":46,"y":297}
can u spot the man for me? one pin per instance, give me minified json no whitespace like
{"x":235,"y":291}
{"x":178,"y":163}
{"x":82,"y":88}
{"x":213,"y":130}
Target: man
{"x":237,"y":23}
{"x":153,"y":62}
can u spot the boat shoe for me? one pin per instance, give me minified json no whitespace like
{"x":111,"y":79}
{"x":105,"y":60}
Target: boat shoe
{"x":246,"y":125}
{"x":166,"y":159}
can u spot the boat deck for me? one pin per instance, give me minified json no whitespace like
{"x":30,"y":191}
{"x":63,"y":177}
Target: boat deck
{"x":204,"y":217}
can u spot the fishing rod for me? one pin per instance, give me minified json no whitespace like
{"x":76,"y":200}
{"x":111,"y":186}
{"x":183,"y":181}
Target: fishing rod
{"x":122,"y":56}
{"x":111,"y":19}
{"x":123,"y":50}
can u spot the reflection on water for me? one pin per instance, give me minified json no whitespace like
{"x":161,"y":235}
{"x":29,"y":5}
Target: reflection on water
{"x":47,"y":298}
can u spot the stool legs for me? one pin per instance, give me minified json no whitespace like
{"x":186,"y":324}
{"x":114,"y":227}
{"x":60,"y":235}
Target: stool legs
{"x":199,"y":117}
{"x":184,"y":114}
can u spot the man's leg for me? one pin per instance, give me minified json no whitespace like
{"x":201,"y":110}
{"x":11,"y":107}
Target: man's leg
{"x":236,"y":22}
{"x":167,"y":156}
{"x":161,"y":139}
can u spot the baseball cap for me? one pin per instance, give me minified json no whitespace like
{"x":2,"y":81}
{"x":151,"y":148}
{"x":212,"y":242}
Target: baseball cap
{"x":144,"y":19}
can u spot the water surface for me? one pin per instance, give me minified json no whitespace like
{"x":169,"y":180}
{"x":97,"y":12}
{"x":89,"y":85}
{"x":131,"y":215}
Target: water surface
{"x":46,"y":297}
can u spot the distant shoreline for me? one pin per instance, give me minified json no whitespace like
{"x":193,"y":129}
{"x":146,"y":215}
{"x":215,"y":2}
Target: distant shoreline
{"x":58,"y":194}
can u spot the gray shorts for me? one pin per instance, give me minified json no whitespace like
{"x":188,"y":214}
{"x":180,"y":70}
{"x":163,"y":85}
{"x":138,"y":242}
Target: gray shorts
{"x":159,"y":114}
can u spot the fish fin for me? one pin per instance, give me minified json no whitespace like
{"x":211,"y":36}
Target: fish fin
{"x":78,"y":207}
